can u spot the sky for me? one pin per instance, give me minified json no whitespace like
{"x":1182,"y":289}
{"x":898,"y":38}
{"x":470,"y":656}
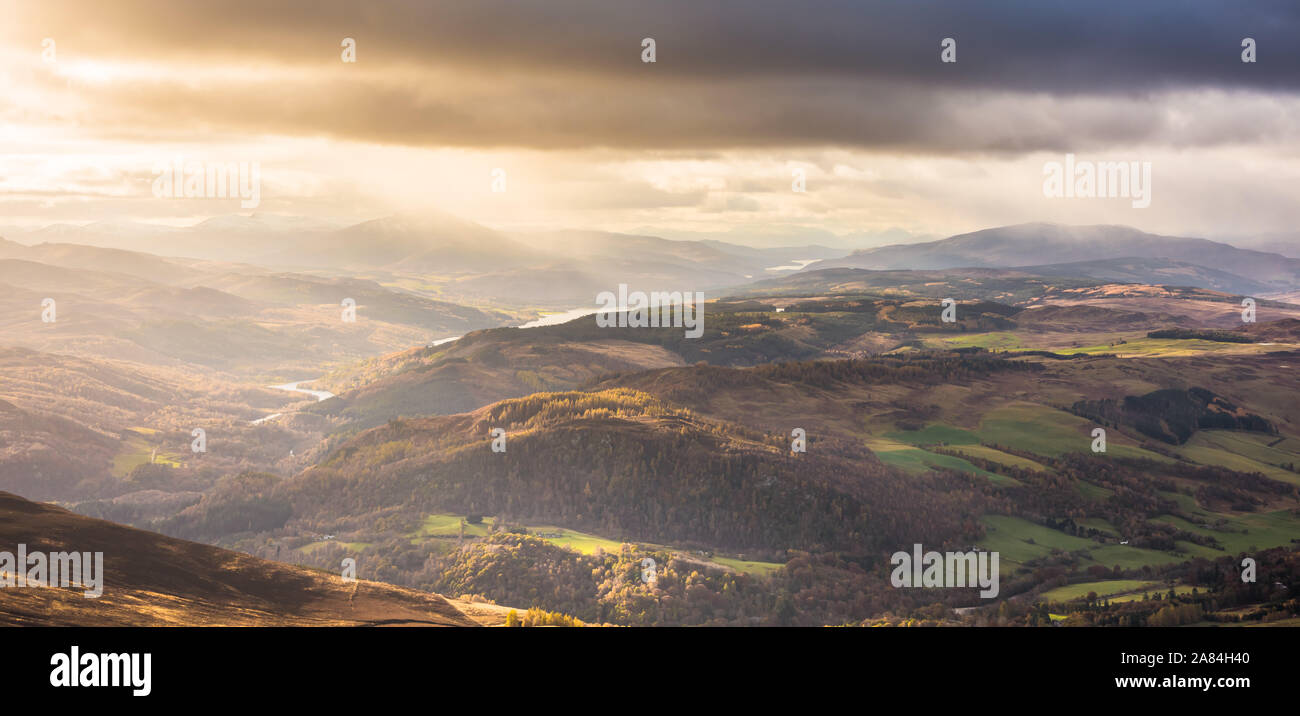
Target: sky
{"x":744,"y":100}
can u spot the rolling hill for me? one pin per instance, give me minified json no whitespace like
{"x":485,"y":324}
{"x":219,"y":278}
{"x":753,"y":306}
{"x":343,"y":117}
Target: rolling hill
{"x":475,"y":371}
{"x":1090,"y":250}
{"x":625,"y":443}
{"x":434,"y":254}
{"x":153,"y":580}
{"x":614,"y":462}
{"x":246,"y":321}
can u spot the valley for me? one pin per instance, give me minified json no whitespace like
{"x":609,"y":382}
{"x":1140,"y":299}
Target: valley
{"x":626,"y":443}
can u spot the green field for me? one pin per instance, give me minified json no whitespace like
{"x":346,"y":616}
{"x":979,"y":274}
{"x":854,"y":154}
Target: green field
{"x":1104,"y":588}
{"x":1134,"y":345}
{"x":588,"y":543}
{"x":1044,"y":430}
{"x":1128,"y":557}
{"x":994,"y":341}
{"x":1002,"y":458}
{"x":1091,"y":491}
{"x":915,"y":460}
{"x":1114,"y":590}
{"x":1047,"y":431}
{"x":1268,"y":449}
{"x":935,"y":434}
{"x":1244,"y":452}
{"x":1180,"y":590}
{"x":1100,"y":525}
{"x":349,"y":546}
{"x":745,"y":566}
{"x":1187,"y":504}
{"x":1153,"y":347}
{"x":1018,"y":541}
{"x":447,"y":525}
{"x":1036,"y":428}
{"x":137,"y":449}
{"x":1242,"y":533}
{"x":1010,"y":537}
{"x":1266,"y":530}
{"x":574,"y":540}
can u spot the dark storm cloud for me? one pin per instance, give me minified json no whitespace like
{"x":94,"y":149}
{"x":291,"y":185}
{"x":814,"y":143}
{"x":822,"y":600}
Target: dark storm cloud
{"x":1038,"y":45}
{"x":568,"y":73}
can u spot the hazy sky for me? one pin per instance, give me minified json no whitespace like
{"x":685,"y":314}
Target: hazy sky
{"x":705,"y":139}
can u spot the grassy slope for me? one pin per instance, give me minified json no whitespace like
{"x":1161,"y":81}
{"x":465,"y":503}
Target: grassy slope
{"x":1245,"y":452}
{"x":448,"y":526}
{"x":1104,"y":588}
{"x":136,"y":450}
{"x":915,"y":460}
{"x":1046,"y":431}
{"x":154,"y":580}
{"x":1019,"y":540}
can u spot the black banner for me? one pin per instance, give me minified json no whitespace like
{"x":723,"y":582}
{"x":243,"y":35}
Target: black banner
{"x":957,"y":666}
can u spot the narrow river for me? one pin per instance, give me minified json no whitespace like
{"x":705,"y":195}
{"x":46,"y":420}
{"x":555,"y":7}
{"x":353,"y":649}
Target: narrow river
{"x":293,"y":388}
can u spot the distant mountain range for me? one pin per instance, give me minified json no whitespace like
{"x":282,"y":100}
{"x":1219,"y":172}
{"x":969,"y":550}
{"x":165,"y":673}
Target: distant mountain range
{"x":450,"y":255}
{"x":144,"y":308}
{"x":463,"y":259}
{"x":1117,"y":253}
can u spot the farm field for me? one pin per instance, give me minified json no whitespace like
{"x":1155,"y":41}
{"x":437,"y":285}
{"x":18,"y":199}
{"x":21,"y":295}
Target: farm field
{"x":349,"y":546}
{"x":1114,"y":590}
{"x":916,"y":460}
{"x":1123,"y":345}
{"x":574,"y":540}
{"x":1143,"y":347}
{"x":995,"y":341}
{"x":588,"y":544}
{"x":744,"y":566}
{"x":1179,"y":590}
{"x":138,"y":449}
{"x":1244,"y":452}
{"x":1099,"y":524}
{"x":1046,"y":431}
{"x":1019,"y":541}
{"x":1103,"y":588}
{"x":1091,"y":491}
{"x":1002,"y":458}
{"x":1244,"y":532}
{"x":448,"y":526}
{"x":1025,"y":426}
{"x":934,"y":434}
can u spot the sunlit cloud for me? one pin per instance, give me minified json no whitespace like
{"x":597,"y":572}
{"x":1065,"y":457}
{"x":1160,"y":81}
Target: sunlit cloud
{"x":704,"y":139}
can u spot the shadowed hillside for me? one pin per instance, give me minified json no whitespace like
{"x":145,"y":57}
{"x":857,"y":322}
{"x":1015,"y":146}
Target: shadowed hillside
{"x":622,"y":463}
{"x":153,"y":580}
